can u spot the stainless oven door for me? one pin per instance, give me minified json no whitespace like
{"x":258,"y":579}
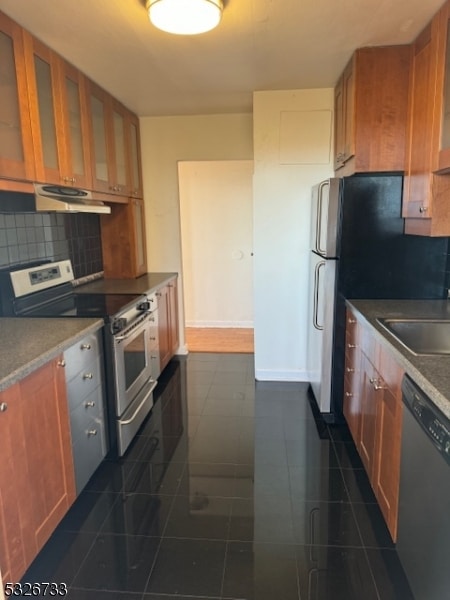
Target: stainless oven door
{"x":132,"y":362}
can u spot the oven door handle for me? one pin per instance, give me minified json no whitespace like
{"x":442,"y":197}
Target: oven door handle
{"x":131,"y":419}
{"x":120,"y":338}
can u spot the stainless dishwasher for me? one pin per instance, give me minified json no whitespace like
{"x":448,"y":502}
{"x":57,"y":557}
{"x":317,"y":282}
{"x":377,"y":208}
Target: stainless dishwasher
{"x":423,"y":541}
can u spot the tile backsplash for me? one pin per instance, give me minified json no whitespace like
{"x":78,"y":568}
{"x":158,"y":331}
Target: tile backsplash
{"x":29,"y":236}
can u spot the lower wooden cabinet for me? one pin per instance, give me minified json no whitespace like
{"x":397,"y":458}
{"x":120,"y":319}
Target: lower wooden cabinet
{"x":373,"y":410}
{"x":168,"y":321}
{"x":37,"y":484}
{"x":352,"y":377}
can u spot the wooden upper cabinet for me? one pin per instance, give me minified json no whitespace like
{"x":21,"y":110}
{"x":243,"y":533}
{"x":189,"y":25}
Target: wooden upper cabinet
{"x":123,"y":240}
{"x":99,"y":110}
{"x":16,"y":144}
{"x":134,"y":154}
{"x":371,"y":99}
{"x":427,"y":179}
{"x":45,"y":107}
{"x":58,"y":109}
{"x":120,"y":164}
{"x":110,"y":143}
{"x":75,"y":122}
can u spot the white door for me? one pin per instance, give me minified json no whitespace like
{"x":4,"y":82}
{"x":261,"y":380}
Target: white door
{"x":216,"y":216}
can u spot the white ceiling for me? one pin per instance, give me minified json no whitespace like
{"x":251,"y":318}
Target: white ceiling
{"x":259,"y":45}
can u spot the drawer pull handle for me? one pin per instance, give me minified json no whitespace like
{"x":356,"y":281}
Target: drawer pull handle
{"x":350,"y":370}
{"x":61,"y":363}
{"x":88,"y":376}
{"x":89,"y":404}
{"x":372,"y":380}
{"x":91,"y":432}
{"x":3,"y":406}
{"x":348,"y":394}
{"x":85,"y":346}
{"x":351,"y":345}
{"x":352,"y":320}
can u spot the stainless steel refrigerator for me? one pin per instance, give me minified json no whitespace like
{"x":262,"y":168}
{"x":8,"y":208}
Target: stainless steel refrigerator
{"x":359,"y":250}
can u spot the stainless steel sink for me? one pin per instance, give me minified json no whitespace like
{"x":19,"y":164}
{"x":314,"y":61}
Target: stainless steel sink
{"x":420,"y":336}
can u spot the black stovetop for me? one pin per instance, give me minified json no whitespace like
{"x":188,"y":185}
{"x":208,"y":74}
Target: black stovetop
{"x":102,"y":306}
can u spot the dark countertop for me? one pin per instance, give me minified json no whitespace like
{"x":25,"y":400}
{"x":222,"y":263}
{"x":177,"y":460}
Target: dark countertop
{"x":27,"y":344}
{"x":147,"y":283}
{"x":431,"y":373}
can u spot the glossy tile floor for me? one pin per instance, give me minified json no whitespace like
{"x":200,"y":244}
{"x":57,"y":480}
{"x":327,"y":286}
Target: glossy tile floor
{"x":231,"y":490}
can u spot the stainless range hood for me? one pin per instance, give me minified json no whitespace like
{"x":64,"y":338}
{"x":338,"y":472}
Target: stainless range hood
{"x":57,"y":198}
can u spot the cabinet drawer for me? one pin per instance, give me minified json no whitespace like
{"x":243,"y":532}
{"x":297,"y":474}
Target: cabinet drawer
{"x":85,"y":381}
{"x":370,"y":346}
{"x":82,"y":354}
{"x":89,"y":410}
{"x":88,"y":452}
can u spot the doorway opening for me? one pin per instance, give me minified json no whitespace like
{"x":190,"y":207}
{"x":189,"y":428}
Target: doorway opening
{"x":216,"y":217}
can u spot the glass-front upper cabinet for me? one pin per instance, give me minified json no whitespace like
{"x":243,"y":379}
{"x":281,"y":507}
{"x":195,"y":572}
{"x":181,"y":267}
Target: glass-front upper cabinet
{"x":101,"y":163}
{"x":134,"y":144}
{"x":44,"y":101}
{"x":75,"y":125}
{"x":119,"y":167}
{"x":444,"y":149}
{"x":16,"y":145}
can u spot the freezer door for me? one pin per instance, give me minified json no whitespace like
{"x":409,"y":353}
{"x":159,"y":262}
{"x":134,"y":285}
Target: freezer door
{"x":320,"y":328}
{"x":325,"y":217}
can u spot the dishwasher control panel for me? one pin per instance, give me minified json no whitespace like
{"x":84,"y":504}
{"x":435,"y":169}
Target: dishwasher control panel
{"x":429,"y":417}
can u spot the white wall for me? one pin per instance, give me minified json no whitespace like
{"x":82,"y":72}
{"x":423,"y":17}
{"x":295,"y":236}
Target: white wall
{"x":165,"y":141}
{"x":292,"y":151}
{"x":216,"y":214}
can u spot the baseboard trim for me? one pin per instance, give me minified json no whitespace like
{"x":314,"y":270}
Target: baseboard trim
{"x":268,"y":375}
{"x":220,"y":324}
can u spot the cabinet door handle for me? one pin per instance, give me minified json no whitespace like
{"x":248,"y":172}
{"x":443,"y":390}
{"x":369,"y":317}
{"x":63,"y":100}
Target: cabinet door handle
{"x":350,"y":370}
{"x":423,"y":209}
{"x":61,"y":363}
{"x":88,"y":376}
{"x":85,"y":346}
{"x":91,"y":432}
{"x":89,"y":404}
{"x":351,"y":345}
{"x":352,"y":321}
{"x":348,"y":394}
{"x":3,"y":406}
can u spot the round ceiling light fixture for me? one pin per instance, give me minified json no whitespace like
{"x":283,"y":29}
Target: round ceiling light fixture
{"x":185,"y":17}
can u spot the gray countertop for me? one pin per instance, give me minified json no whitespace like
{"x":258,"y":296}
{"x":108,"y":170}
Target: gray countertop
{"x":431,"y":373}
{"x":145,"y":283}
{"x":27,"y":344}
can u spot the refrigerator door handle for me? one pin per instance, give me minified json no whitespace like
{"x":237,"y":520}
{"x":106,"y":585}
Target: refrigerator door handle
{"x":316,"y":324}
{"x":322,"y":186}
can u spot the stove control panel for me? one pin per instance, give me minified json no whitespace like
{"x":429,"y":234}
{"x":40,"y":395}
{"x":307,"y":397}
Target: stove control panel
{"x":34,"y":279}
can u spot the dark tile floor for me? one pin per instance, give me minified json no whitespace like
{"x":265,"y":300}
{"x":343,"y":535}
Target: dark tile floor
{"x":231,"y":490}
